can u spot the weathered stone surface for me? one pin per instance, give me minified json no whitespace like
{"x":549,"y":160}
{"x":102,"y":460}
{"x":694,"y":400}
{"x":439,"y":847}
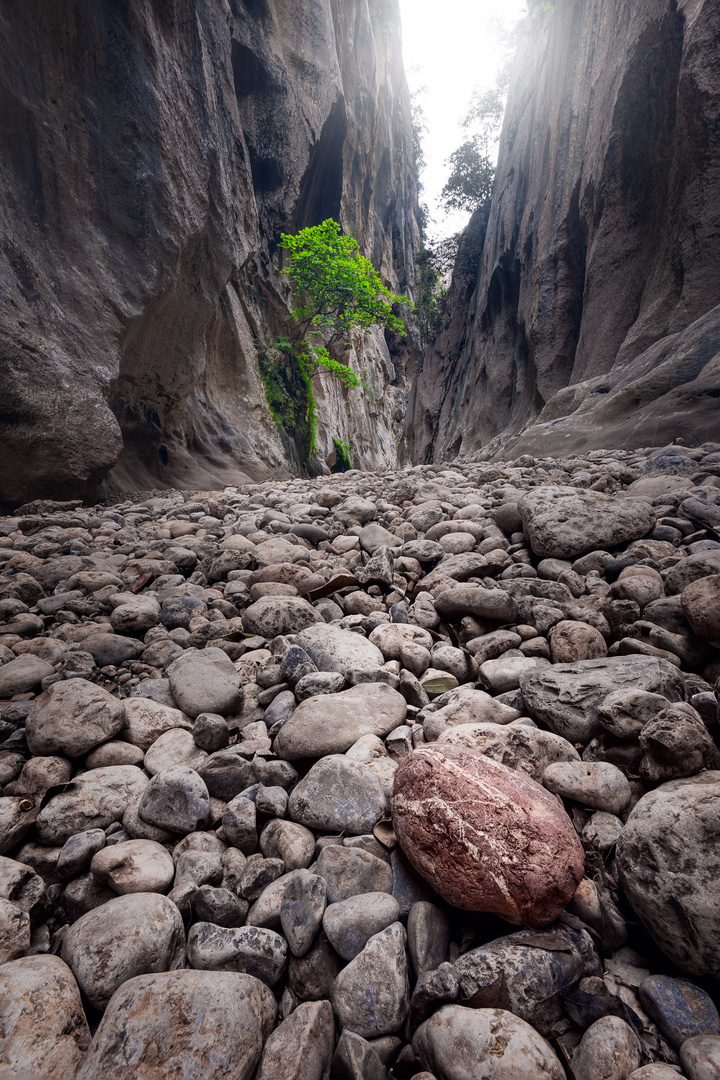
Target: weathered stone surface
{"x":527,"y":972}
{"x":43,"y":1029}
{"x":350,"y":923}
{"x":563,"y":522}
{"x":352,"y":872}
{"x":135,"y":866}
{"x":484,"y":1044}
{"x":23,"y":675}
{"x":528,"y":749}
{"x":669,"y":863}
{"x":701,"y":605}
{"x":301,"y":1047}
{"x":273,"y":615}
{"x":205,"y":682}
{"x":254,"y":950}
{"x":700,"y":1057}
{"x":94,"y":800}
{"x":370,"y":995}
{"x":679,"y":1008}
{"x":314,"y":801}
{"x":14,"y":931}
{"x":301,"y":911}
{"x":176,"y":799}
{"x":159,"y":1026}
{"x":146,"y":720}
{"x":72,"y":718}
{"x":333,"y":649}
{"x":322,"y":726}
{"x":597,"y":784}
{"x":609,"y":1050}
{"x":493,"y":604}
{"x":487,"y":838}
{"x":129,"y":936}
{"x":566,"y":697}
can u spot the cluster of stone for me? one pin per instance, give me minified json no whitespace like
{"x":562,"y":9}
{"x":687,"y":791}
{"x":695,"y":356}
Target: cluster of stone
{"x":412,"y":774}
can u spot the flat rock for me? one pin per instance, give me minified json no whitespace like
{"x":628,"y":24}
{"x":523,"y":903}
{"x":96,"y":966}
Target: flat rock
{"x":566,"y":697}
{"x":487,"y":838}
{"x":669,"y":864}
{"x":564,"y":522}
{"x":131,"y":935}
{"x":496,"y":605}
{"x":43,"y":1030}
{"x":72,"y":718}
{"x":331,"y":725}
{"x":199,"y":1024}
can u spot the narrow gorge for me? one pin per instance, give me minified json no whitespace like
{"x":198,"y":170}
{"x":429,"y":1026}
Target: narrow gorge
{"x":359,"y":666}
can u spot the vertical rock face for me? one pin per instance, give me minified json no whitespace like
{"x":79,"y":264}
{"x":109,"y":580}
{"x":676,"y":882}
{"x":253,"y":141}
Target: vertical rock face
{"x":593,"y":306}
{"x":152,"y":153}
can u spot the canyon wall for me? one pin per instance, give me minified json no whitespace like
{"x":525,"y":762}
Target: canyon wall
{"x":151,"y":153}
{"x":594,"y":319}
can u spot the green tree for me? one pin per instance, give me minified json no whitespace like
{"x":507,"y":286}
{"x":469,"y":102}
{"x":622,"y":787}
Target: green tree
{"x":470,"y":183}
{"x":337,"y":294}
{"x":429,"y":295}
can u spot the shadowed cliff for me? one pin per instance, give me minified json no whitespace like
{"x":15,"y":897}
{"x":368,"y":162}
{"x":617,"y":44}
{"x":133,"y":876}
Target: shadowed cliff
{"x":601,"y":250}
{"x":152,"y":152}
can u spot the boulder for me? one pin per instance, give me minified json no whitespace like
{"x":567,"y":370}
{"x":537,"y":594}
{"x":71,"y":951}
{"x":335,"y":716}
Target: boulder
{"x":315,"y":804}
{"x":301,"y":1047}
{"x":273,"y":615}
{"x":333,"y":649}
{"x":205,"y":681}
{"x":23,"y":675}
{"x":371,"y":995}
{"x":146,"y":720}
{"x":483,"y":1044}
{"x":43,"y":1030}
{"x":669,"y":864}
{"x":330,"y":725}
{"x":128,"y":936}
{"x":567,"y":697}
{"x":134,"y":866}
{"x":518,"y":746}
{"x":564,"y":522}
{"x":73,"y":717}
{"x":93,"y":800}
{"x":199,"y":1024}
{"x":487,"y":838}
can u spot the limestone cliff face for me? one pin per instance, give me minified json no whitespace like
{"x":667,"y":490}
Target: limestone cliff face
{"x":151,"y":152}
{"x":592,"y":309}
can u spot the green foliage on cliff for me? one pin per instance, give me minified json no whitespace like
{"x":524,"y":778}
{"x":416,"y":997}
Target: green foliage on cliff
{"x":429,"y":295}
{"x":470,"y":183}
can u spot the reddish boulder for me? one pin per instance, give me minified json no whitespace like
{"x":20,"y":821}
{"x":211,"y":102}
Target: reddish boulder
{"x":487,"y":838}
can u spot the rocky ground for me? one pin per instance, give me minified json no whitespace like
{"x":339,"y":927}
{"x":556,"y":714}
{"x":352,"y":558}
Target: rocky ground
{"x":409,"y":775}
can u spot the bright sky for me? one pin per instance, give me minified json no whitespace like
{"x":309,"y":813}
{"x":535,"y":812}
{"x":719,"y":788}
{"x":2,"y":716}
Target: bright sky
{"x":450,"y":48}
